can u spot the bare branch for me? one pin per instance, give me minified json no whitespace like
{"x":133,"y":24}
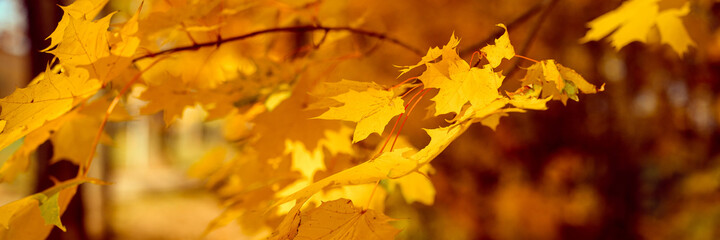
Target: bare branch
{"x":219,"y":41}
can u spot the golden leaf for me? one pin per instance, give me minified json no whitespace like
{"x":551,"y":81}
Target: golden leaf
{"x":340,"y":219}
{"x":86,"y":9}
{"x":371,"y":109}
{"x":84,"y":42}
{"x":47,"y":97}
{"x":501,"y":49}
{"x":633,"y":20}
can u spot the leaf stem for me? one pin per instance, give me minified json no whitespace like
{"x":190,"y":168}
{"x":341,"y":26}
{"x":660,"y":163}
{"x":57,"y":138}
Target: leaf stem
{"x":397,"y":121}
{"x":372,"y":194}
{"x":307,"y":28}
{"x":473,"y":57}
{"x":527,"y":58}
{"x":409,"y":91}
{"x":401,"y":83}
{"x":424,"y":91}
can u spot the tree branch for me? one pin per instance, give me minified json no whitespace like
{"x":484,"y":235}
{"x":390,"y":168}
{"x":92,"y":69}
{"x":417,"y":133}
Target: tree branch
{"x":548,"y":5}
{"x":517,"y":21}
{"x":219,"y":41}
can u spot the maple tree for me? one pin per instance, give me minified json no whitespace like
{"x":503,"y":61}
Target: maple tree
{"x":307,"y":180}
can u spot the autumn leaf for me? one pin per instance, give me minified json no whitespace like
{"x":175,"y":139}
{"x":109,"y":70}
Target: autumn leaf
{"x":633,"y":20}
{"x":556,"y":81}
{"x":501,"y":49}
{"x":20,"y":160}
{"x":379,"y":168}
{"x":50,"y":210}
{"x":83,"y":9}
{"x":416,"y":186}
{"x":303,"y":160}
{"x":458,"y":83}
{"x":432,"y":54}
{"x":340,"y":219}
{"x":34,"y":216}
{"x":73,"y":139}
{"x":371,"y":109}
{"x":47,"y":97}
{"x":170,"y":96}
{"x":123,"y":44}
{"x":84,"y":42}
{"x":389,"y":165}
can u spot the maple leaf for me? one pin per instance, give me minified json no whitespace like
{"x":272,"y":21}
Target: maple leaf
{"x":371,"y":109}
{"x":432,"y":54}
{"x":633,"y":20}
{"x":367,"y":172}
{"x":340,"y":219}
{"x":476,"y":85}
{"x":85,"y":9}
{"x":84,"y":41}
{"x":556,"y":81}
{"x":47,"y":97}
{"x":33,"y":217}
{"x":170,"y":96}
{"x":123,"y":44}
{"x":416,"y":186}
{"x":20,"y":160}
{"x":304,"y":161}
{"x":389,"y":165}
{"x":458,"y":83}
{"x":71,"y":141}
{"x":501,"y":49}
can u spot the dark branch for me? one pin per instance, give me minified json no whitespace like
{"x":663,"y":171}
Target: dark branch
{"x":549,"y":4}
{"x":512,"y":24}
{"x":377,"y":35}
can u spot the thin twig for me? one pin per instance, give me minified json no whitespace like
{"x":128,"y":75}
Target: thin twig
{"x":219,"y":41}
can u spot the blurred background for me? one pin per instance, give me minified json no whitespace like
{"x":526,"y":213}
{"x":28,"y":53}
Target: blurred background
{"x":638,"y":161}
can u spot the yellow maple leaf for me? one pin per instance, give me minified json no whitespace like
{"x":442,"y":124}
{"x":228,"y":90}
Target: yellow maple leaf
{"x":47,"y":97}
{"x":340,"y":219}
{"x":672,"y":30}
{"x":367,"y":172}
{"x":86,"y":9}
{"x":34,"y":216}
{"x":634,"y":19}
{"x":84,"y":41}
{"x":20,"y":160}
{"x":527,"y":101}
{"x":123,"y":45}
{"x":501,"y":49}
{"x":170,"y":96}
{"x":416,"y":186}
{"x":371,"y":109}
{"x":458,"y":83}
{"x":432,"y":54}
{"x":449,"y":98}
{"x":303,"y":160}
{"x":481,"y":86}
{"x":73,"y":139}
{"x":556,"y":81}
{"x":389,"y":165}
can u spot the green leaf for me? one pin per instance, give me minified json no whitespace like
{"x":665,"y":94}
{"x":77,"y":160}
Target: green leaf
{"x":50,"y":210}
